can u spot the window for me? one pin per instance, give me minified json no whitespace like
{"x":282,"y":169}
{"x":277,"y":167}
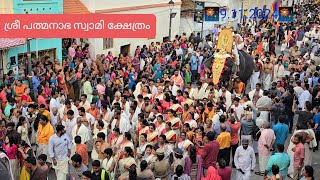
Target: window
{"x":107,"y":43}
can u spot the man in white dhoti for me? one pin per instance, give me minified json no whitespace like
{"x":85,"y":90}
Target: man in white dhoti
{"x":254,"y":79}
{"x":122,"y":121}
{"x":267,"y":74}
{"x":278,"y":71}
{"x":244,"y":160}
{"x":59,"y":151}
{"x":65,"y":108}
{"x":177,"y":81}
{"x":265,"y":143}
{"x":79,"y":130}
{"x":263,"y":105}
{"x":70,"y":122}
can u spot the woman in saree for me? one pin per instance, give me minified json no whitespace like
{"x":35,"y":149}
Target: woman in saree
{"x":19,"y":89}
{"x":174,"y":120}
{"x":166,"y":103}
{"x":190,"y":120}
{"x":171,"y":135}
{"x":125,"y":143}
{"x":62,"y":81}
{"x":71,"y":78}
{"x":109,"y":163}
{"x":152,"y":137}
{"x":160,"y":125}
{"x":190,"y":134}
{"x":184,"y":143}
{"x":193,"y":164}
{"x":176,"y":107}
{"x":146,"y":92}
{"x":144,"y":127}
{"x":158,"y":95}
{"x":142,"y":146}
{"x":25,"y":151}
{"x":199,"y":140}
{"x":186,"y":99}
{"x":12,"y":152}
{"x":126,"y":162}
{"x":116,"y":140}
{"x":26,"y":96}
{"x":23,"y":129}
{"x":186,"y":109}
{"x":157,"y":70}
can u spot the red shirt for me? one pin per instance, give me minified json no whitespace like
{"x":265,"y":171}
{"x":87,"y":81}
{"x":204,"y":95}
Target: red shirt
{"x":234,"y":132}
{"x":210,"y":154}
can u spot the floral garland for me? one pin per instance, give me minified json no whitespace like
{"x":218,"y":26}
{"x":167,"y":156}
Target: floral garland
{"x":219,"y":65}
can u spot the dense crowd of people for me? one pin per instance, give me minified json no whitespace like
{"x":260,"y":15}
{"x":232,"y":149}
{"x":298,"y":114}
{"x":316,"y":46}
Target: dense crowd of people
{"x":156,"y":114}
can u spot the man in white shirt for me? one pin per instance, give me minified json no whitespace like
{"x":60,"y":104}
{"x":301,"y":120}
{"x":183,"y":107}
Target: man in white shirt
{"x":84,"y":103}
{"x":297,"y":88}
{"x":304,"y":97}
{"x":54,"y":116}
{"x":54,"y":101}
{"x":237,"y":108}
{"x":65,"y":108}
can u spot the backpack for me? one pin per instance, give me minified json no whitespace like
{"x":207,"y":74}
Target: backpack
{"x":256,"y":132}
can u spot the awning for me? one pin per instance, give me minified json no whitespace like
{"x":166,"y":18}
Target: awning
{"x":6,"y":43}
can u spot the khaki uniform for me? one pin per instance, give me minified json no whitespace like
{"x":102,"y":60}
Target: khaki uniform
{"x":161,"y":169}
{"x":175,"y":164}
{"x":146,"y":174}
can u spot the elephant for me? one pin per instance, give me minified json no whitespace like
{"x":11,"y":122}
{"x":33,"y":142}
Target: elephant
{"x":246,"y":65}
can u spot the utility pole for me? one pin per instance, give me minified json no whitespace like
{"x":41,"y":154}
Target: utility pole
{"x":172,"y":15}
{"x":29,"y":62}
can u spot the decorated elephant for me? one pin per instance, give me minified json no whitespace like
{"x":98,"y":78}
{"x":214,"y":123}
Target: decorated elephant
{"x":246,"y":65}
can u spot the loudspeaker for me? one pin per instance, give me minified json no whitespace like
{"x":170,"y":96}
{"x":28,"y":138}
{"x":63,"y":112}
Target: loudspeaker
{"x":12,"y":60}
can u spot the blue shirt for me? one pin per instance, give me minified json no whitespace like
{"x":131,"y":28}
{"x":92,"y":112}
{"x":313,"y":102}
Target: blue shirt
{"x":194,"y":64}
{"x":281,"y":131}
{"x":217,"y":130}
{"x":36,"y":83}
{"x":282,"y":160}
{"x":58,"y":147}
{"x":316,"y":120}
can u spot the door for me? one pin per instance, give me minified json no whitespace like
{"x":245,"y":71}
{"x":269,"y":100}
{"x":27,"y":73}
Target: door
{"x":124,"y":50}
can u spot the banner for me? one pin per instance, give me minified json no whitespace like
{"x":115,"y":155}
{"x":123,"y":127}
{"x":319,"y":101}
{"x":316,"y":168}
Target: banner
{"x":77,"y":25}
{"x":211,"y":13}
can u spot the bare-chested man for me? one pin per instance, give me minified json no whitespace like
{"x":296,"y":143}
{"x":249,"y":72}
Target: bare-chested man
{"x":254,"y":79}
{"x":100,"y":145}
{"x":267,"y":73}
{"x":147,"y":106}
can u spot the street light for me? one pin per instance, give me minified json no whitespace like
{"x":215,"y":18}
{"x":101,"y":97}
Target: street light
{"x":172,"y":15}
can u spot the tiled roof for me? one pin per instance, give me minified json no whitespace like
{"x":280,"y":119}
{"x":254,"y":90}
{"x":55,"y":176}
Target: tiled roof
{"x":11,"y":42}
{"x":187,"y":5}
{"x":74,"y":7}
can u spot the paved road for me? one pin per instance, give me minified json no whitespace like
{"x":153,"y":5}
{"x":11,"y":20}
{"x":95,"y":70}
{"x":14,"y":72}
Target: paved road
{"x":315,"y":156}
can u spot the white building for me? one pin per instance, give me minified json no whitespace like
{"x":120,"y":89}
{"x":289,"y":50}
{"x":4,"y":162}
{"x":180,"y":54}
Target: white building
{"x":160,"y":8}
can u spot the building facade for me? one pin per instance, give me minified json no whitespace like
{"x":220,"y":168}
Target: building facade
{"x":160,"y":8}
{"x":188,"y":25}
{"x":40,"y":47}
